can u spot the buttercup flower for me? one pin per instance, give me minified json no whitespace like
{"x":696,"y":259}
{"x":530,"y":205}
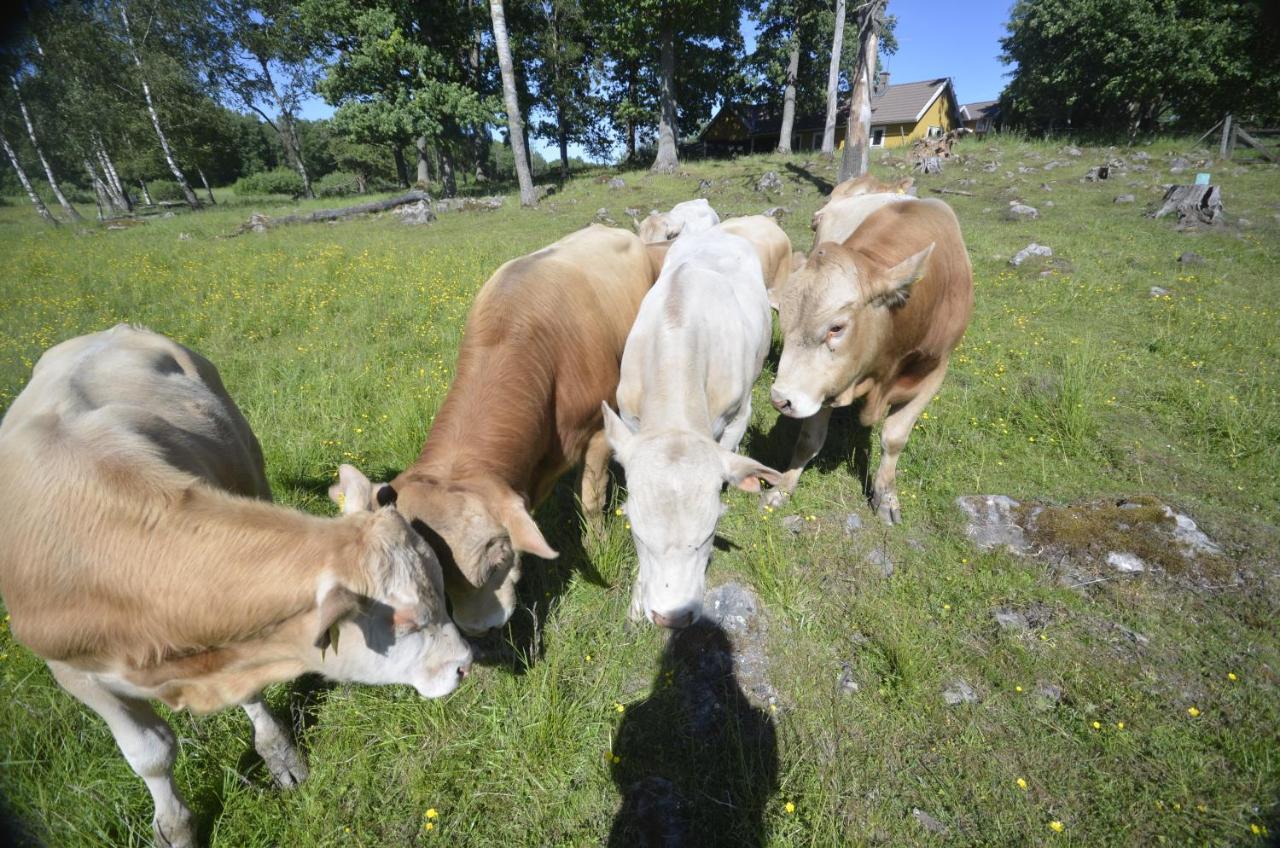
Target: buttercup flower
{"x":1056,"y":826}
{"x":790,"y":808}
{"x":1022,"y":784}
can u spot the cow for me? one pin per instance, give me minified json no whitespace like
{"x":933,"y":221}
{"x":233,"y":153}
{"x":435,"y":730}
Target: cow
{"x":838,"y":219}
{"x":145,"y":560}
{"x":691,"y":216}
{"x":771,"y":244}
{"x":691,"y":359}
{"x":876,"y":318}
{"x":540,"y":351}
{"x":860,"y":187}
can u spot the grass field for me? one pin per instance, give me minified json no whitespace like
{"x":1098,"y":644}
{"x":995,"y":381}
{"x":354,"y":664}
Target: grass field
{"x":338,"y":343}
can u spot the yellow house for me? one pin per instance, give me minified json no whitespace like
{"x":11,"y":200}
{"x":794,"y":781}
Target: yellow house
{"x":900,"y":114}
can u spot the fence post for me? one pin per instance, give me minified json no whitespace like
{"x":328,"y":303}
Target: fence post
{"x":1224,"y":150}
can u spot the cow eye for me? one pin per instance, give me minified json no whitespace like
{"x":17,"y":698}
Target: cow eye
{"x":836,"y":331}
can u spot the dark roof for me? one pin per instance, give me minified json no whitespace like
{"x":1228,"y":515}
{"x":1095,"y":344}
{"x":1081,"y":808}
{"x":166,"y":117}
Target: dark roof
{"x":901,"y":103}
{"x":979,"y":109}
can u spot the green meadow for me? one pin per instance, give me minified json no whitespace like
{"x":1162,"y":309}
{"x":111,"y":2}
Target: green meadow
{"x":1130,"y":710}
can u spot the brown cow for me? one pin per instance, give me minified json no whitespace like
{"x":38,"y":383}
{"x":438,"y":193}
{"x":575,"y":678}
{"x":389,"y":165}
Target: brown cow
{"x":539,"y":354}
{"x":858,"y":187}
{"x":771,"y":244}
{"x":143,"y":560}
{"x":875,"y":318}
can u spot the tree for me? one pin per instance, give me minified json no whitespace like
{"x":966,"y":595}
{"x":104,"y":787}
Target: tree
{"x":41,"y":209}
{"x":858,"y":131}
{"x":833,"y":77}
{"x":514,"y":122}
{"x":561,"y":48}
{"x":70,"y":210}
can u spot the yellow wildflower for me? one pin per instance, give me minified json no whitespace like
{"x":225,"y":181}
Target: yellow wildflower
{"x":1022,"y":784}
{"x":1097,"y":725}
{"x":431,"y":826}
{"x":618,"y":511}
{"x":1231,"y":675}
{"x":1056,"y":826}
{"x":1017,"y":688}
{"x":1193,"y":712}
{"x":588,"y":658}
{"x":790,"y":808}
{"x":1119,"y":725}
{"x":432,"y":813}
{"x":617,"y":708}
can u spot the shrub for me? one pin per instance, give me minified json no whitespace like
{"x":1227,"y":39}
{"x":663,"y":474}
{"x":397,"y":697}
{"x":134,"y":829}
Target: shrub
{"x":336,"y":185}
{"x":161,"y":190}
{"x":277,"y":181}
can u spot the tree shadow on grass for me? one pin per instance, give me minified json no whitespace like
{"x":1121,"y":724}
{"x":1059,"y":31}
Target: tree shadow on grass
{"x":694,"y":762}
{"x":803,"y":173}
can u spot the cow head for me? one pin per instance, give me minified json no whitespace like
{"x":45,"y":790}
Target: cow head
{"x":479,"y":527}
{"x":674,"y":480}
{"x":834,"y":314}
{"x":399,"y":631}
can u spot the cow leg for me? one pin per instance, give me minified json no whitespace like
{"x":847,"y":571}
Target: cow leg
{"x":595,"y":482}
{"x":274,"y":743}
{"x":148,"y":745}
{"x":731,"y":438}
{"x":893,"y":438}
{"x":813,"y":433}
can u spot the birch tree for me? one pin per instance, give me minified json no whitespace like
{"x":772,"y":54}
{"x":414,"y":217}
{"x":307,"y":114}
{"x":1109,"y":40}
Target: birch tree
{"x":857,"y":143}
{"x":514,"y":123}
{"x":833,"y":80}
{"x":41,"y":209}
{"x":70,"y":210}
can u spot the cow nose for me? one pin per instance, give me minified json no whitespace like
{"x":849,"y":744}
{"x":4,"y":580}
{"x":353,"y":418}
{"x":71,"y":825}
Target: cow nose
{"x":673,"y":622}
{"x":780,"y":403}
{"x":464,"y":669}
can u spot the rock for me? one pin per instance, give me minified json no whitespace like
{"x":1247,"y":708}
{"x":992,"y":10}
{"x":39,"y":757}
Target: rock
{"x":1101,"y":172}
{"x":602,"y":217}
{"x":1190,"y":257}
{"x":736,"y":610}
{"x":1049,"y":166}
{"x":1193,"y":540}
{"x":1159,"y":291}
{"x":1027,"y":252}
{"x":1048,"y":204}
{"x":1180,"y":163}
{"x":704,"y":186}
{"x":879,"y":559}
{"x":776,"y":212}
{"x":733,"y":607}
{"x":1138,"y":169}
{"x":1141,"y":156}
{"x":1010,"y":620}
{"x":794,"y":523}
{"x":1046,"y":187}
{"x":959,"y":692}
{"x":992,"y":523}
{"x":169,"y":215}
{"x":416,"y":213}
{"x":1071,"y":150}
{"x":1050,"y":694}
{"x":1020,"y":212}
{"x":184,"y":236}
{"x":1125,"y":562}
{"x":846,"y":684}
{"x":852,"y":523}
{"x":1022,"y":169}
{"x":1125,"y":198}
{"x":617,"y":182}
{"x":259,"y":222}
{"x":770,"y":181}
{"x":929,"y":823}
{"x":991,"y":167}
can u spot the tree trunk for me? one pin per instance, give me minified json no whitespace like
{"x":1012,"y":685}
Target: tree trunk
{"x":515,"y":126}
{"x":113,"y":182}
{"x":564,"y":155}
{"x":205,"y":182}
{"x":789,"y":98}
{"x":72,"y":214}
{"x":99,"y":190}
{"x":181,"y":178}
{"x":26,"y":184}
{"x":288,"y":132}
{"x":857,"y":136}
{"x":833,"y":80}
{"x":424,"y":171}
{"x":668,"y":156}
{"x":450,"y":186}
{"x":146,"y":193}
{"x":402,"y":168}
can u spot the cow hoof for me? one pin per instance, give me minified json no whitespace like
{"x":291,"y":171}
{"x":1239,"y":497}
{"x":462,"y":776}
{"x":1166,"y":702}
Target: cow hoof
{"x":174,"y":832}
{"x":286,"y":766}
{"x":773,"y":499}
{"x":887,"y":508}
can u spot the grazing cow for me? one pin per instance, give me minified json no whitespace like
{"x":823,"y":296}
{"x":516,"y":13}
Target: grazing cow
{"x":691,"y":216}
{"x":540,"y":351}
{"x":771,"y":244}
{"x":685,"y":397}
{"x":874,"y":318}
{"x":838,"y":219}
{"x":144,"y":560}
{"x":860,"y":187}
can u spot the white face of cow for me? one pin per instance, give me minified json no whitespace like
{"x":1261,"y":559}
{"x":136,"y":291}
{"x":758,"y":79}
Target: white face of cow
{"x":674,"y":480}
{"x":833,"y":315}
{"x":403,"y":633}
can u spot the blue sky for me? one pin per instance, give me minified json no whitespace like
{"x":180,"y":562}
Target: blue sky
{"x":958,"y":39}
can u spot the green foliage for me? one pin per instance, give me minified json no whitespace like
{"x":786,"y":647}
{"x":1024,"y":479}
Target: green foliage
{"x":276,"y":181}
{"x":1134,"y":64}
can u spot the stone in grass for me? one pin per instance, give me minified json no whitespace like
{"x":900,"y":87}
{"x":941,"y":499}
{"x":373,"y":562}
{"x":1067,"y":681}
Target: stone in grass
{"x":794,"y":523}
{"x":1029,"y":251}
{"x":929,"y":823}
{"x":959,"y":692}
{"x":1190,"y":257}
{"x":617,"y":182}
{"x":880,"y":560}
{"x":846,"y":684}
{"x":1010,"y":620}
{"x":1125,"y":562}
{"x":602,"y":217}
{"x":1020,"y":212}
{"x":1071,"y":150}
{"x":770,"y":181}
{"x":1159,"y":291}
{"x":776,"y":212}
{"x":1049,"y":694}
{"x":852,"y":523}
{"x":1125,"y":198}
{"x":991,"y":522}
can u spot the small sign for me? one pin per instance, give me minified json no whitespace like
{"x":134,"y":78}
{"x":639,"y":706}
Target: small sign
{"x":1202,"y":179}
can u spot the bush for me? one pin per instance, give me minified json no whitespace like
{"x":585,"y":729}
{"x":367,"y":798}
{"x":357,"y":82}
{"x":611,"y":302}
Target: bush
{"x":278,"y":181}
{"x":336,"y":185}
{"x":161,"y":190}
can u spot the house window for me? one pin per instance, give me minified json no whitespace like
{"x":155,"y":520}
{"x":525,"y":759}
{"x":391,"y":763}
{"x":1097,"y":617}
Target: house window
{"x":935,"y":131}
{"x":877,"y":138}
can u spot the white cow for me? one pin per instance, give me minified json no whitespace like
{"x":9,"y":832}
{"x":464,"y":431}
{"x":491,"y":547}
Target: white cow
{"x":687,"y":218}
{"x":690,"y":361}
{"x":839,"y":218}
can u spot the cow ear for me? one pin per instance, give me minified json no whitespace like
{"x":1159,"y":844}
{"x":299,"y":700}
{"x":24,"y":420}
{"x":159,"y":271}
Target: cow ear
{"x":617,"y":432}
{"x":896,"y":282}
{"x":353,"y":492}
{"x":524,"y":532}
{"x":337,"y":603}
{"x":746,"y":473}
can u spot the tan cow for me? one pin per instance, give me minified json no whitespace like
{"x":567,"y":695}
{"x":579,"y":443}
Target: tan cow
{"x":860,"y":187}
{"x":144,"y":560}
{"x":874,"y":318}
{"x":690,"y":216}
{"x":539,"y":354}
{"x":770,"y":242}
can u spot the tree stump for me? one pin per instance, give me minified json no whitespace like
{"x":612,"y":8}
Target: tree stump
{"x":929,"y":165}
{"x":1194,"y":204}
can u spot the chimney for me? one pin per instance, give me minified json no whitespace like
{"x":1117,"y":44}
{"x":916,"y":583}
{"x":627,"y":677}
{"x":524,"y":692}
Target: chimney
{"x":882,"y":83}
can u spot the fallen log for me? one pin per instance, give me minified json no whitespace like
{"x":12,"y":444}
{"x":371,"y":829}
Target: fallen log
{"x":259,"y":223}
{"x":1195,"y":204}
{"x":952,"y":191}
{"x":1255,"y":144}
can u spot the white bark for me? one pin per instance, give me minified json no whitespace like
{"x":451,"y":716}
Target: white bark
{"x":833,"y":80}
{"x":857,"y":137}
{"x":44,"y":162}
{"x":424,"y":165}
{"x":99,"y":190}
{"x":515,"y":125}
{"x":181,"y":178}
{"x":668,"y":152}
{"x":41,"y":209}
{"x":789,"y":98}
{"x":146,"y":192}
{"x":115,"y":188}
